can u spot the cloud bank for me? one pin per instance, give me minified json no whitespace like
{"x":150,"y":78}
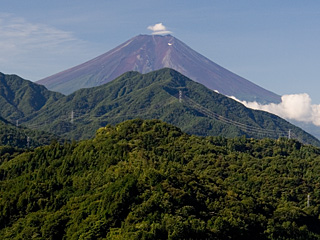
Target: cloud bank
{"x":297,"y":107}
{"x":159,"y":29}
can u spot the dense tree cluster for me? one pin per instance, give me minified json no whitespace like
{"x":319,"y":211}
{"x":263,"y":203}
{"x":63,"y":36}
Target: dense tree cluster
{"x":148,"y":180}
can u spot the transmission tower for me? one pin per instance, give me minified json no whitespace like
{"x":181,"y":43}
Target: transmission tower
{"x":289,"y":134}
{"x":180,"y":96}
{"x":72,"y":116}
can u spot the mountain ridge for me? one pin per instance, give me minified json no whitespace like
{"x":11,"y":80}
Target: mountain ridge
{"x":155,"y":95}
{"x":20,"y":97}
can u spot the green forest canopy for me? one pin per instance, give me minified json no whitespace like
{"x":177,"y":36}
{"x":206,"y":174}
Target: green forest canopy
{"x":148,"y":180}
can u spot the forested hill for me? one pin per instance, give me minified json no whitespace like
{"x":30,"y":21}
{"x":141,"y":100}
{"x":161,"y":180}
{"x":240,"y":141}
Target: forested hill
{"x":21,"y":137}
{"x":20,"y":97}
{"x":149,"y":180}
{"x":166,"y":95}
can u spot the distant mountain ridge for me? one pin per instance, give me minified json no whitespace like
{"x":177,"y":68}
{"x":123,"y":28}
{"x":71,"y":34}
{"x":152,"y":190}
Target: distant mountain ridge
{"x":146,"y":53}
{"x":164,"y":94}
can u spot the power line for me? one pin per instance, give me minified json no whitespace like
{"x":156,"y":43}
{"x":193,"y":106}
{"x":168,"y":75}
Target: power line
{"x":244,"y":127}
{"x":76,"y":116}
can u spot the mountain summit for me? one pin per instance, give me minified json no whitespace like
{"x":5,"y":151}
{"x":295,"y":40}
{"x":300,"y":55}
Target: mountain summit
{"x":146,"y":53}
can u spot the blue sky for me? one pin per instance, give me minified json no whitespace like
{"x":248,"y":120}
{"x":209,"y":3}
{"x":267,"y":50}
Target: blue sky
{"x":274,"y":44}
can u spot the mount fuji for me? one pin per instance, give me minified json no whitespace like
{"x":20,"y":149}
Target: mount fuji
{"x":146,"y":53}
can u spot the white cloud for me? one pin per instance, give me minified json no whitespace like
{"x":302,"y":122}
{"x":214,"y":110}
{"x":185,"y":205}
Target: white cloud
{"x":297,"y":107}
{"x":159,"y":29}
{"x":32,"y":48}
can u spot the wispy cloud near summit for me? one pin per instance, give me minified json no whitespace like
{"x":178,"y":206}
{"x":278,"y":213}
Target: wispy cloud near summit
{"x":159,"y":29}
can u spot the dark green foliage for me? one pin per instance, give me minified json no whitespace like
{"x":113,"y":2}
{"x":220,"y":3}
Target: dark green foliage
{"x":148,"y":180}
{"x":22,"y":137}
{"x":156,"y":96}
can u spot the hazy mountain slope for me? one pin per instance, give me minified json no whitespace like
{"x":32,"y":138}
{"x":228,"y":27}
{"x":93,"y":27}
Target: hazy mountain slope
{"x":19,"y":97}
{"x":308,"y":127}
{"x":145,"y":53}
{"x":156,"y":96}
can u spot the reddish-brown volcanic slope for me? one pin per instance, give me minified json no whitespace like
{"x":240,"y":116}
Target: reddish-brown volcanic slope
{"x":145,"y":53}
